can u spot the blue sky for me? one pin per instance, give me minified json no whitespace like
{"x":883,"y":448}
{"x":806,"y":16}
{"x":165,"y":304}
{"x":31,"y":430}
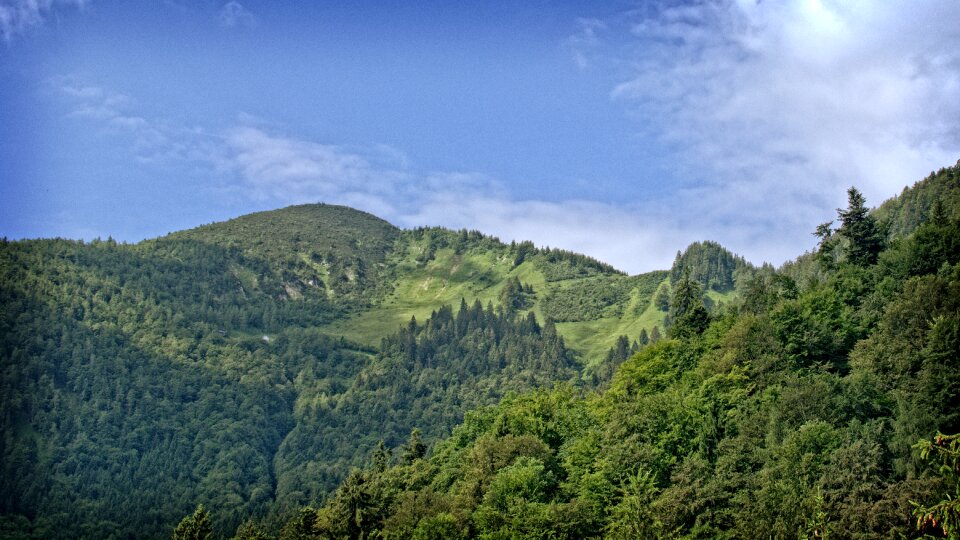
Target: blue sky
{"x":625,"y":130}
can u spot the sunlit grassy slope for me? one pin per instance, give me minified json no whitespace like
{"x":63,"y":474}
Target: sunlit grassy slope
{"x":480,"y":274}
{"x":379,"y":276}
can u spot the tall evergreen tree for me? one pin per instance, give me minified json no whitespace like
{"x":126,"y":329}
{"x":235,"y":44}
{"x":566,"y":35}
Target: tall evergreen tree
{"x":655,"y":334}
{"x":195,"y":526}
{"x":860,"y":229}
{"x":415,"y":448}
{"x":687,"y":311}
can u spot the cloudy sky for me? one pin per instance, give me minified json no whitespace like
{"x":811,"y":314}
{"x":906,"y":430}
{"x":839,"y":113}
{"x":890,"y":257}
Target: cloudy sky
{"x":624,"y":130}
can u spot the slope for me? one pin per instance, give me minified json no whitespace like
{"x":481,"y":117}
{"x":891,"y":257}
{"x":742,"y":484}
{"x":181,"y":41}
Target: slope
{"x":247,"y":364}
{"x":336,"y":249}
{"x":806,"y":410}
{"x":430,"y":268}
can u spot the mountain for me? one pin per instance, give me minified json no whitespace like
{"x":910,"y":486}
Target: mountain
{"x":902,"y":214}
{"x":248,"y":364}
{"x":451,"y":384}
{"x":808,"y":408}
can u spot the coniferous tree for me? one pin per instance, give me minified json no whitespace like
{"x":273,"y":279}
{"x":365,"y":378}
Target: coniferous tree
{"x":415,"y":448}
{"x":825,"y":245}
{"x":860,"y":229}
{"x":380,"y":458}
{"x":195,"y":526}
{"x":249,"y":531}
{"x":687,"y":311}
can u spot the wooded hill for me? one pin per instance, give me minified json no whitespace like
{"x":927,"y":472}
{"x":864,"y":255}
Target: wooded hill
{"x":249,"y":365}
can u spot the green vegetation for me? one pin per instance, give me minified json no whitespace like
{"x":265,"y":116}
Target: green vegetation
{"x":600,"y":297}
{"x":331,"y":248}
{"x":709,"y":264}
{"x":316,"y":372}
{"x":426,"y":375}
{"x":432,"y":267}
{"x":901,"y":215}
{"x":184,"y":371}
{"x":791,"y":412}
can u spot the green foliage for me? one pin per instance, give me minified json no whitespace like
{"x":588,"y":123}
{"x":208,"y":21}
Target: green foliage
{"x":139,"y":380}
{"x":860,"y":229}
{"x":514,"y":296}
{"x":790,"y":412}
{"x":633,"y":516}
{"x":415,"y":448}
{"x":901,"y":215}
{"x":248,"y":530}
{"x":559,"y":265}
{"x":662,"y":299}
{"x":598,"y":297}
{"x":330,"y":248}
{"x":688,"y":315}
{"x":944,"y":451}
{"x":710,"y":265}
{"x":195,"y":526}
{"x":441,"y":526}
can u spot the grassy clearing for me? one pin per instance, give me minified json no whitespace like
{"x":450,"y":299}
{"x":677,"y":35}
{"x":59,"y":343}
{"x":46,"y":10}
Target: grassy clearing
{"x":421,"y":288}
{"x":592,"y":339}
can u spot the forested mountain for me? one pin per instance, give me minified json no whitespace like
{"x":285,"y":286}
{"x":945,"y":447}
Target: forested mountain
{"x":219,"y":364}
{"x":708,"y":263}
{"x":808,"y":408}
{"x":902,"y":214}
{"x":250,"y":365}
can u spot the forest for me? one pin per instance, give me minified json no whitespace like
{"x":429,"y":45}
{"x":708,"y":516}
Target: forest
{"x":317,"y":373}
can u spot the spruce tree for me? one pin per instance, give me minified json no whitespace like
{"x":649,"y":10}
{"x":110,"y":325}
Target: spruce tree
{"x":687,"y":311}
{"x":415,"y":448}
{"x":194,"y":527}
{"x":860,"y":229}
{"x":655,"y":334}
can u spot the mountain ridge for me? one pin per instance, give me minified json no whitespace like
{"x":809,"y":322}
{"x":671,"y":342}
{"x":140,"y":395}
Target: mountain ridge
{"x":196,"y":367}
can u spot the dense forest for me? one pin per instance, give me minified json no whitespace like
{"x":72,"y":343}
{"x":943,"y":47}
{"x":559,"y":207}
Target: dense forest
{"x":138,"y":379}
{"x":809,"y":407}
{"x":317,"y":373}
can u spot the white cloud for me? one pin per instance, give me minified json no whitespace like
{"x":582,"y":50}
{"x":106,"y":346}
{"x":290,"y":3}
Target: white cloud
{"x":153,"y":140}
{"x":778,"y":106}
{"x":255,"y":161}
{"x":775,"y":108}
{"x":234,"y":14}
{"x":289,"y":170}
{"x":582,"y":44}
{"x":16,"y":16}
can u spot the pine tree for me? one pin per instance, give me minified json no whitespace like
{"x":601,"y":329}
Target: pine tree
{"x":380,"y":458}
{"x":687,"y":311}
{"x":415,"y":448}
{"x":194,"y":527}
{"x":655,"y":334}
{"x":860,"y":229}
{"x":249,"y":531}
{"x":825,"y":246}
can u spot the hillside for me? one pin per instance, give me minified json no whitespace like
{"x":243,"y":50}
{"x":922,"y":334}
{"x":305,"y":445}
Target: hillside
{"x":228,"y":363}
{"x":902,"y":214}
{"x":808,"y":409}
{"x":329,"y":248}
{"x":382,"y":276}
{"x":592,"y":303}
{"x":249,"y":365}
